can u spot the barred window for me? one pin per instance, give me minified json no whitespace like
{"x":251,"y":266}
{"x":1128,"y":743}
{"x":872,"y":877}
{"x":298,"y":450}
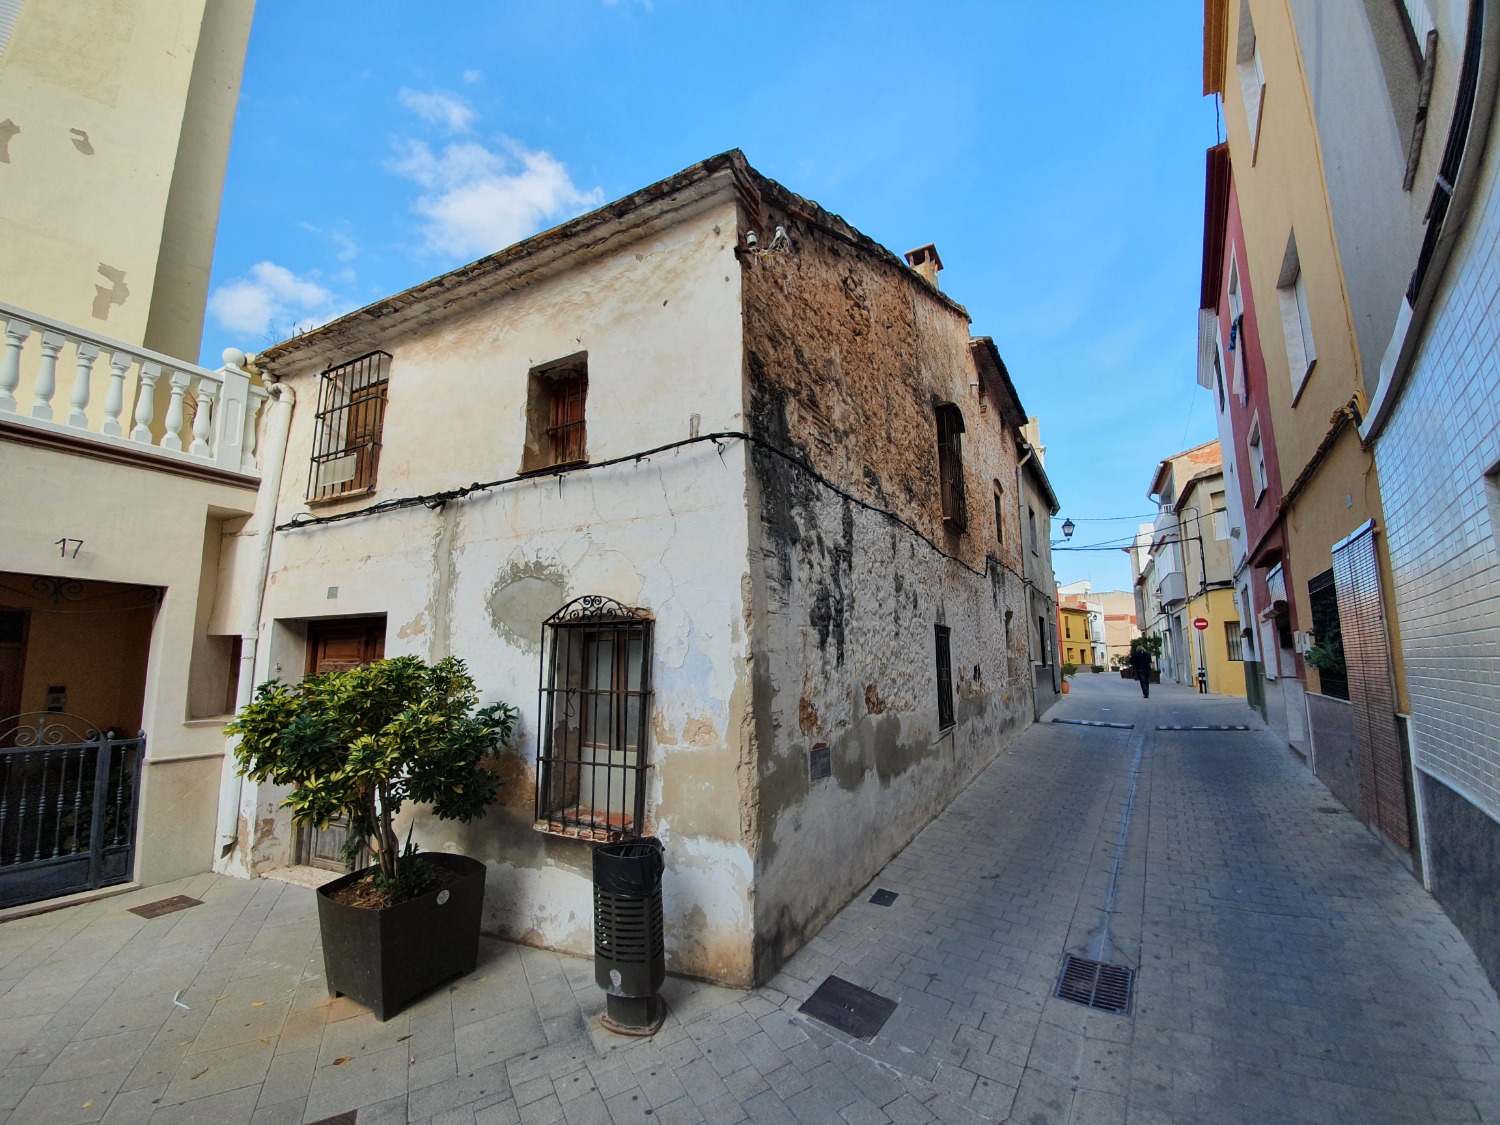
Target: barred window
{"x":1233,"y":641}
{"x":950,"y":427}
{"x":944,"y":678}
{"x":347,"y":427}
{"x":595,"y":712}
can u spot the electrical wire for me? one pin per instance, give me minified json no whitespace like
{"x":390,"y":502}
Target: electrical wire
{"x":434,"y":501}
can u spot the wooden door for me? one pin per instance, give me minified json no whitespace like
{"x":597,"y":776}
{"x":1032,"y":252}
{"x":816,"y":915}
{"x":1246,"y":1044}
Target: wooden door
{"x":335,"y":646}
{"x":12,"y":664}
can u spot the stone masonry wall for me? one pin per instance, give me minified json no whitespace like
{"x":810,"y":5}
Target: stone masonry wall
{"x":847,"y":353}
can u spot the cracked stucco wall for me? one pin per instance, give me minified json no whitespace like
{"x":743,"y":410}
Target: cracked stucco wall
{"x":846,"y":355}
{"x":659,"y":318}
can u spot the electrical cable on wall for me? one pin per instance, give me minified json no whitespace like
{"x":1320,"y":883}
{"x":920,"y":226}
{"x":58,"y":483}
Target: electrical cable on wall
{"x":435,"y":500}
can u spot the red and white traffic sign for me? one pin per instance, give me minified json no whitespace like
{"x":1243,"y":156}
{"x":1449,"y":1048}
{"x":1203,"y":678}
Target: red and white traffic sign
{"x":1200,"y":623}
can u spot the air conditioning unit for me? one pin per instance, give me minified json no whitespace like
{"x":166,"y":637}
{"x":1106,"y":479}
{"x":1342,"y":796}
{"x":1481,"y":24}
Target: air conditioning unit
{"x":1303,"y":642}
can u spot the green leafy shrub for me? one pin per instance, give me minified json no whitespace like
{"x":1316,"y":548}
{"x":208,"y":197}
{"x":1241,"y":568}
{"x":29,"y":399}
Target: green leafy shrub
{"x":361,"y":742}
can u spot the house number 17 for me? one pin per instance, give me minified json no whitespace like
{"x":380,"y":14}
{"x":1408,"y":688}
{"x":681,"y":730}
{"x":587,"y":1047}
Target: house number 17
{"x":62,"y":547}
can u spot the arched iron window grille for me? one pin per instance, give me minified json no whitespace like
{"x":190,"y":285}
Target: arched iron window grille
{"x":594,"y":714}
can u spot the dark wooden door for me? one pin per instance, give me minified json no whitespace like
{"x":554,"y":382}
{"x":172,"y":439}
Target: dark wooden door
{"x":335,"y":646}
{"x":12,"y":665}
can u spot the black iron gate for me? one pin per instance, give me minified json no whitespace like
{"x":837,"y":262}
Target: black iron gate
{"x":68,"y":795}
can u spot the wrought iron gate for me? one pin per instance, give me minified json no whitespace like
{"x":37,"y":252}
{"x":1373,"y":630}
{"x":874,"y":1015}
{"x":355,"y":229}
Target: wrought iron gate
{"x":68,"y":795}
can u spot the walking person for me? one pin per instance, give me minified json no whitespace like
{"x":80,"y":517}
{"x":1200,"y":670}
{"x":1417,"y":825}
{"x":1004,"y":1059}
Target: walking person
{"x":1140,"y":664}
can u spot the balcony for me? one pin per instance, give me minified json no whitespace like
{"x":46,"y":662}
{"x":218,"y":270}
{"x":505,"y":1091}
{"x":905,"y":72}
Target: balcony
{"x":1172,"y":588}
{"x":135,"y":404}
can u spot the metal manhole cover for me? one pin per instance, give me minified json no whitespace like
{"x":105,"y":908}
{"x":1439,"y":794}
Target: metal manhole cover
{"x":165,"y":906}
{"x":1094,"y":984}
{"x":1096,"y":723}
{"x":853,"y":1010}
{"x":883,"y":897}
{"x":1223,"y":726}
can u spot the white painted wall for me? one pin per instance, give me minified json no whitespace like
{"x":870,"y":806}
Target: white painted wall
{"x":659,"y":318}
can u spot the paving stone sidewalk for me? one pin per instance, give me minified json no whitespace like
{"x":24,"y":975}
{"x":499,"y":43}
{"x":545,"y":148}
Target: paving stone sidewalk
{"x":1289,"y":970}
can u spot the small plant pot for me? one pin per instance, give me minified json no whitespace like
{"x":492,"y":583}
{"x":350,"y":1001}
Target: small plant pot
{"x":388,"y":957}
{"x":1065,"y":688}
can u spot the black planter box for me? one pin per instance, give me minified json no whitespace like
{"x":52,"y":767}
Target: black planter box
{"x":387,"y":958}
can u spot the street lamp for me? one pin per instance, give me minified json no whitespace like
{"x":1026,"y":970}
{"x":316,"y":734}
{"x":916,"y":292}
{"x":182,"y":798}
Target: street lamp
{"x":1068,"y":527}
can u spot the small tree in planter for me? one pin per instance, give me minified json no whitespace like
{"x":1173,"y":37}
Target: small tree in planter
{"x":359,"y":744}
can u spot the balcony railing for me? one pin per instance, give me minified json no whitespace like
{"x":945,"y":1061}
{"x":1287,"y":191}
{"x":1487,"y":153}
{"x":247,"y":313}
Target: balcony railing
{"x":126,"y":397}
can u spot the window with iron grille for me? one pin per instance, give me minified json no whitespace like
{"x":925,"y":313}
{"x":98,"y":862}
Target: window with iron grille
{"x":594,"y":712}
{"x":347,"y":427}
{"x":999,"y":514}
{"x":1233,"y":641}
{"x":944,"y":678}
{"x":950,"y":427}
{"x":556,"y":429}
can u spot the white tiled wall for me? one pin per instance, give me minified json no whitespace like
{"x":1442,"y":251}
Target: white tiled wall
{"x":1442,"y":439}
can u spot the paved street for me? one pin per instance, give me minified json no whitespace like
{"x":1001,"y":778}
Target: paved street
{"x":1289,"y":970}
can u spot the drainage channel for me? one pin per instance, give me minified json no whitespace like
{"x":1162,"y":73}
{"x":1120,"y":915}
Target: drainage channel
{"x":1093,"y":980}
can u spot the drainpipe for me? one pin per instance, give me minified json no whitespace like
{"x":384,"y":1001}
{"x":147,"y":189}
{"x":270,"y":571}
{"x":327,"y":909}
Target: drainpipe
{"x":263,"y":523}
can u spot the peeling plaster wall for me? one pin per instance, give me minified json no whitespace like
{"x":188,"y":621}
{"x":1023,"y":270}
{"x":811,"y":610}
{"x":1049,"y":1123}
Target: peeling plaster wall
{"x":847,"y":352}
{"x":659,"y":318}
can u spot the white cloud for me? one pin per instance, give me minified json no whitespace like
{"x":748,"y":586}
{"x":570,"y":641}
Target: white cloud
{"x":477,"y":201}
{"x":272,"y":299}
{"x":473,"y":76}
{"x":440,"y":108}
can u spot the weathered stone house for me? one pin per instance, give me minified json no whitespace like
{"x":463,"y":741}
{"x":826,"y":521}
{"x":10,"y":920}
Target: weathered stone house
{"x":723,"y":495}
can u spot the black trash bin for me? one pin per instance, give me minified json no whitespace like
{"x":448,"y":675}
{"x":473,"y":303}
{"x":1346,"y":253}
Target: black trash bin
{"x":629,"y":959}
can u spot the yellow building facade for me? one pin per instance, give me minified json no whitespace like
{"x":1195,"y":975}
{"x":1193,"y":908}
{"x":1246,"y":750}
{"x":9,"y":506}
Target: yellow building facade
{"x":1314,"y":379}
{"x":115,"y":119}
{"x":1073,"y":639}
{"x":132,"y":469}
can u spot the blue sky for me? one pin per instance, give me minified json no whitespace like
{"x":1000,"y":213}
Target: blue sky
{"x":1053,"y":152}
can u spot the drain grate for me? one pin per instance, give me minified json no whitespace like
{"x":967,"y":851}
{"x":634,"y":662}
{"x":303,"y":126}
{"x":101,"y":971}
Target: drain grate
{"x":853,"y":1010}
{"x":883,"y":897}
{"x":1096,"y":723}
{"x":165,"y":906}
{"x":1096,"y":985}
{"x":1220,"y":727}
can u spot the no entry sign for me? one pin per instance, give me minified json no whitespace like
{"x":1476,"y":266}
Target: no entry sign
{"x":1200,"y":623}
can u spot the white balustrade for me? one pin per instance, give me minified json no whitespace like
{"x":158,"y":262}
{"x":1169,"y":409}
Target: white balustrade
{"x":16,"y":332}
{"x":120,"y":364}
{"x":172,"y":439}
{"x":215,"y":411}
{"x":145,"y":404}
{"x":87,"y":353}
{"x":46,"y":376}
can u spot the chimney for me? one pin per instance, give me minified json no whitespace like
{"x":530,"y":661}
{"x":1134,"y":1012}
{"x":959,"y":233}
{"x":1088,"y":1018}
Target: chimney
{"x":925,"y":260}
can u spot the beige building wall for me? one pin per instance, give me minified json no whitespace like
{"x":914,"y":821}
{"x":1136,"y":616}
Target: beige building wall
{"x":115,"y":122}
{"x":143,"y":530}
{"x":115,"y":119}
{"x":1279,"y":173}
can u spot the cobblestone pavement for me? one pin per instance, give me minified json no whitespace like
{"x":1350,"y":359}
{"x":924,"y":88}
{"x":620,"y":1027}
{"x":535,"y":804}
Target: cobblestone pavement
{"x":1289,"y":970}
